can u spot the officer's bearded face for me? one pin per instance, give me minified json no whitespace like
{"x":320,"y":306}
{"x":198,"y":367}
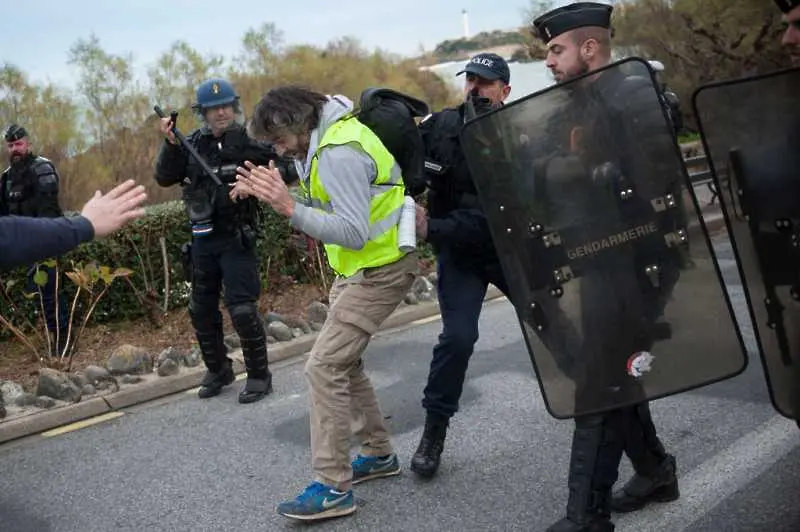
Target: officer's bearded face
{"x":791,"y":38}
{"x":564,"y":58}
{"x":496,"y":90}
{"x":220,"y":118}
{"x":18,"y":150}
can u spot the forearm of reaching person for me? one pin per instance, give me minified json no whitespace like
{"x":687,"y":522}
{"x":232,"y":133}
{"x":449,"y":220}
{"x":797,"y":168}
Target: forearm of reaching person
{"x":25,"y":240}
{"x":346,"y":173}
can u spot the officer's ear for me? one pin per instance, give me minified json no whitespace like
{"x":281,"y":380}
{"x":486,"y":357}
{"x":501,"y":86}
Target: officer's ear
{"x":589,"y":49}
{"x":506,"y":91}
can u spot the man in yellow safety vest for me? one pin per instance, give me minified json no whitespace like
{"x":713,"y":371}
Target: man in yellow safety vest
{"x":355,"y":195}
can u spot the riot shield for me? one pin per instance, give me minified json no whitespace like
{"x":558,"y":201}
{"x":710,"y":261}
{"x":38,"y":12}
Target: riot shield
{"x":751,"y":134}
{"x":598,"y":230}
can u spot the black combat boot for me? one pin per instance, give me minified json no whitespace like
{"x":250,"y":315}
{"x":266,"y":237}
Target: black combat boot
{"x":256,"y":389}
{"x":655,"y":479}
{"x":251,"y":333}
{"x":425,"y":462}
{"x":658,"y":484}
{"x":592,"y":471}
{"x":213,"y":382}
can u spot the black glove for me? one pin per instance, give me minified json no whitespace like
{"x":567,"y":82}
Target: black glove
{"x":477,"y":105}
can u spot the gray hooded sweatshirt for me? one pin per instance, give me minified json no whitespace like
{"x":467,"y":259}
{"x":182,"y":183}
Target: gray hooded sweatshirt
{"x":346,"y":173}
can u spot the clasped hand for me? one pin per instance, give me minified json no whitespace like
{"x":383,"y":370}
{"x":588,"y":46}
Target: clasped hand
{"x":264,"y":183}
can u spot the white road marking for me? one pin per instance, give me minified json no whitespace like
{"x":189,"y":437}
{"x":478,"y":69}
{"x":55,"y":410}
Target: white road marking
{"x":716,"y":479}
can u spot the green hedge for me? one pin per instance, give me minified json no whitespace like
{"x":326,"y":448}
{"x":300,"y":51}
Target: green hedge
{"x":137,"y":247}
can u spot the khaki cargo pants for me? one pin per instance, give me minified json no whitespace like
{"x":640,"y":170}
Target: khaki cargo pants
{"x":342,"y":399}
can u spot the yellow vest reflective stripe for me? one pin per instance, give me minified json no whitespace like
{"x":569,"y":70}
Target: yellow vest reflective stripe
{"x":386,"y":199}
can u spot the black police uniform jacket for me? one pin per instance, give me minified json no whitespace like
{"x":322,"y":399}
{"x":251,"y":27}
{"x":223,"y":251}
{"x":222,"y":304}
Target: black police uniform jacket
{"x":456,"y":219}
{"x":30,"y":188}
{"x":175,"y":165}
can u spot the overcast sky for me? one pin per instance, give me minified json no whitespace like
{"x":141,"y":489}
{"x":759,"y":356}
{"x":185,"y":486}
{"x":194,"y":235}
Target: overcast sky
{"x":38,"y":40}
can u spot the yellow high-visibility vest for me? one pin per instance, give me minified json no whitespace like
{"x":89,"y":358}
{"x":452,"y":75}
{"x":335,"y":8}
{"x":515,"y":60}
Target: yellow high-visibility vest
{"x":387,"y":192}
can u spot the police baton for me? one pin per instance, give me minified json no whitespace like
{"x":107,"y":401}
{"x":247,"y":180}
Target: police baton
{"x":202,"y":162}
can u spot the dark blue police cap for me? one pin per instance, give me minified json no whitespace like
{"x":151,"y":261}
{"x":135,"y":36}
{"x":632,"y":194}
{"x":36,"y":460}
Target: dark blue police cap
{"x":572,"y":16}
{"x":489,"y":66}
{"x":787,"y":5}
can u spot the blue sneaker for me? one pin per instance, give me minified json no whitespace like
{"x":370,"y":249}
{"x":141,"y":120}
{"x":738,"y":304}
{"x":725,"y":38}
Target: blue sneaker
{"x":370,"y":467}
{"x":318,"y":501}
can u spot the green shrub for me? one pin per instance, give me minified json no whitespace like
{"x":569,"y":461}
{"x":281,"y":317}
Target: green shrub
{"x":138,"y":247}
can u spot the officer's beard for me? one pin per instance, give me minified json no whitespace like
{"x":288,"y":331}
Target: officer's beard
{"x":582,"y":68}
{"x":16,"y":158}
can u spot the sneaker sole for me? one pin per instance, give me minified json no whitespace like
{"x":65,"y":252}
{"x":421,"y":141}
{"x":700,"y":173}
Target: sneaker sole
{"x":327,"y":514}
{"x":376,"y":475}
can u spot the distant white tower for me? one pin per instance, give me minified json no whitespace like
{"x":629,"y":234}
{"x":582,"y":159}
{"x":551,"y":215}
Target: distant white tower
{"x":465,"y":19}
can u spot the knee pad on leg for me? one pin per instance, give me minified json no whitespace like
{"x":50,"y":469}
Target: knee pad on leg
{"x":244,"y":315}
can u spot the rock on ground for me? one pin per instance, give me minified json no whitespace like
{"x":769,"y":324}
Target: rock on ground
{"x":55,"y":384}
{"x":129,"y":359}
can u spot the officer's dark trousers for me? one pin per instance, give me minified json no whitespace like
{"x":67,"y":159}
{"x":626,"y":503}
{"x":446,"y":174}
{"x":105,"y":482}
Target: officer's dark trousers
{"x":461,"y":289}
{"x":225,"y":260}
{"x":599,"y":440}
{"x":51,"y":303}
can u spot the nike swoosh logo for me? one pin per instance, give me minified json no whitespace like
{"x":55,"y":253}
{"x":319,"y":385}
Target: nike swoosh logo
{"x":326,"y":503}
{"x":380,"y":467}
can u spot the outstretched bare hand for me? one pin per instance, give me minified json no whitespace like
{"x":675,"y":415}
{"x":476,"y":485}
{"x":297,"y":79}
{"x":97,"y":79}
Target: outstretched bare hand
{"x":109,"y":212}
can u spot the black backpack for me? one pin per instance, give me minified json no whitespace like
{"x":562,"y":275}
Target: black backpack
{"x":390,"y":115}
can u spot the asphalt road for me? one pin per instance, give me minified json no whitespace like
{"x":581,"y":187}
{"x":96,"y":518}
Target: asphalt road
{"x":183,"y":464}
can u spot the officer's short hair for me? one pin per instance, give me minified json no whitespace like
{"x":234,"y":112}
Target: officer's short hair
{"x":288,"y":109}
{"x":601,"y":35}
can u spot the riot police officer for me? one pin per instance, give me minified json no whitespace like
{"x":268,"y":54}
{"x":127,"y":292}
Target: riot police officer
{"x":577,"y":37}
{"x":29,"y":187}
{"x":466,"y":259}
{"x":224,"y":232}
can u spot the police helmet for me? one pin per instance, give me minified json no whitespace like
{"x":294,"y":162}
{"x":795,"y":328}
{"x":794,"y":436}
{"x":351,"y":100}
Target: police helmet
{"x":14,"y":132}
{"x":214,"y":93}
